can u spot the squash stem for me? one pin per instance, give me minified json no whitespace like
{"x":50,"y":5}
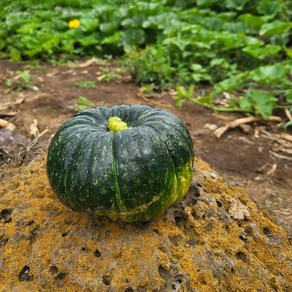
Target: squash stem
{"x":115,"y":124}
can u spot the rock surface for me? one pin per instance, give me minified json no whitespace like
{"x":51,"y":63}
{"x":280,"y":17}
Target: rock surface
{"x":216,"y":239}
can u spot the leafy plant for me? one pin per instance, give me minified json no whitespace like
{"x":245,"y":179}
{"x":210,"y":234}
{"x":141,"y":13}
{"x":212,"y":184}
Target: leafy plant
{"x":258,"y":102}
{"x":85,"y":84}
{"x":238,"y":47}
{"x":183,"y":94}
{"x":288,"y":124}
{"x":108,"y":74}
{"x":83,"y":103}
{"x":21,"y":81}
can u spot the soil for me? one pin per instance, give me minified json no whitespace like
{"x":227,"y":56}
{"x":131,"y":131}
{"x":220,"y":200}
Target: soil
{"x":252,"y":159}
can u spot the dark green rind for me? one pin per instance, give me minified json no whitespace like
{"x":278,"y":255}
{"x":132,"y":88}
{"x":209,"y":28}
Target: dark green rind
{"x":145,"y":171}
{"x":132,"y":175}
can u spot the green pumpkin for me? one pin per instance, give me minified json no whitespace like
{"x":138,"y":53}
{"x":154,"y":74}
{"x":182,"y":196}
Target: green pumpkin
{"x":127,"y":162}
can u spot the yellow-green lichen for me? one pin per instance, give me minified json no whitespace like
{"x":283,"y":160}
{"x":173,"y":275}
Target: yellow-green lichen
{"x":196,"y":245}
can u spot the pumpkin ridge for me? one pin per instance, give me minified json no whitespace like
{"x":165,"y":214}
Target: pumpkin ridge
{"x":178,"y":173}
{"x":174,"y":168}
{"x":120,"y":204}
{"x":64,"y":195}
{"x":70,"y":165}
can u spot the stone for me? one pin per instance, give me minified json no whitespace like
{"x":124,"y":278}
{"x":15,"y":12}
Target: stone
{"x":202,"y":243}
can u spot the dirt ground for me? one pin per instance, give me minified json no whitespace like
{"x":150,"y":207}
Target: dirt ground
{"x":256,"y":157}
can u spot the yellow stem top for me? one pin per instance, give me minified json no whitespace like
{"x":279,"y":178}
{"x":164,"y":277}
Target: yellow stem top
{"x":115,"y":124}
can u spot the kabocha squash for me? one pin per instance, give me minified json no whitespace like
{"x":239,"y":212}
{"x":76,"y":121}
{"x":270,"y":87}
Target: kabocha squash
{"x":127,"y":162}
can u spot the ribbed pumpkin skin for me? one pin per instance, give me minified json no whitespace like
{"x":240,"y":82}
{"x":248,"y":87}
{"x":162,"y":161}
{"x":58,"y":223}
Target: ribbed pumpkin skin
{"x":132,"y":175}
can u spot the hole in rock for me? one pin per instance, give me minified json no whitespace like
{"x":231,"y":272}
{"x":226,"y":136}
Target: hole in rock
{"x":5,"y":215}
{"x":180,"y":219}
{"x":156,"y":231}
{"x":24,"y":274}
{"x":53,"y":270}
{"x":106,"y":279}
{"x":219,"y":204}
{"x":164,"y":274}
{"x":97,"y":253}
{"x":194,"y":201}
{"x":3,"y":240}
{"x":175,"y":239}
{"x":60,"y":276}
{"x":33,"y":235}
{"x":241,"y":256}
{"x":176,"y":284}
{"x":195,"y":215}
{"x":248,"y":231}
{"x":59,"y":279}
{"x":129,"y":290}
{"x":193,"y":242}
{"x":30,"y":222}
{"x":267,"y":231}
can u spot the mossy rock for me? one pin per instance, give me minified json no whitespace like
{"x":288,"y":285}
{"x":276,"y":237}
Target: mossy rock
{"x":216,"y":239}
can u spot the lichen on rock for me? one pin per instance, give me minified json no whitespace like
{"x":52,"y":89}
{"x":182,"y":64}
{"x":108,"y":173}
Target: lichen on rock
{"x":196,"y":246}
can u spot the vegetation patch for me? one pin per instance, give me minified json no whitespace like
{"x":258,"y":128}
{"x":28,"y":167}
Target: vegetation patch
{"x":241,"y":48}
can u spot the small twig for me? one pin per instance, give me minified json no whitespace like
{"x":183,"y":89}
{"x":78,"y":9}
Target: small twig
{"x":7,"y":125}
{"x":35,"y":140}
{"x":8,"y":114}
{"x":288,"y":114}
{"x":272,"y":170}
{"x":11,"y":104}
{"x":234,"y":124}
{"x":33,"y":128}
{"x":286,"y":137}
{"x":287,"y":151}
{"x":280,"y":156}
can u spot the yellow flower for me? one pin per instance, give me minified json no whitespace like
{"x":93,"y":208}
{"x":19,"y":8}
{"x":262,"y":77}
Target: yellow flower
{"x":74,"y":23}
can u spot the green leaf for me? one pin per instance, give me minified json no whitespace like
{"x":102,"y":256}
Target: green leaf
{"x":288,"y":124}
{"x":230,"y":84}
{"x":263,"y":102}
{"x":245,"y":104}
{"x":268,"y":74}
{"x":112,"y":39}
{"x":288,"y":94}
{"x":108,"y":27}
{"x":229,"y":40}
{"x":252,"y":20}
{"x":132,"y":37}
{"x":89,"y":40}
{"x":85,"y":84}
{"x":15,"y":55}
{"x":236,"y":4}
{"x":206,"y":3}
{"x":268,"y":7}
{"x":274,"y":28}
{"x":289,"y":52}
{"x":25,"y":75}
{"x":89,"y":24}
{"x":81,"y":100}
{"x":262,"y":52}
